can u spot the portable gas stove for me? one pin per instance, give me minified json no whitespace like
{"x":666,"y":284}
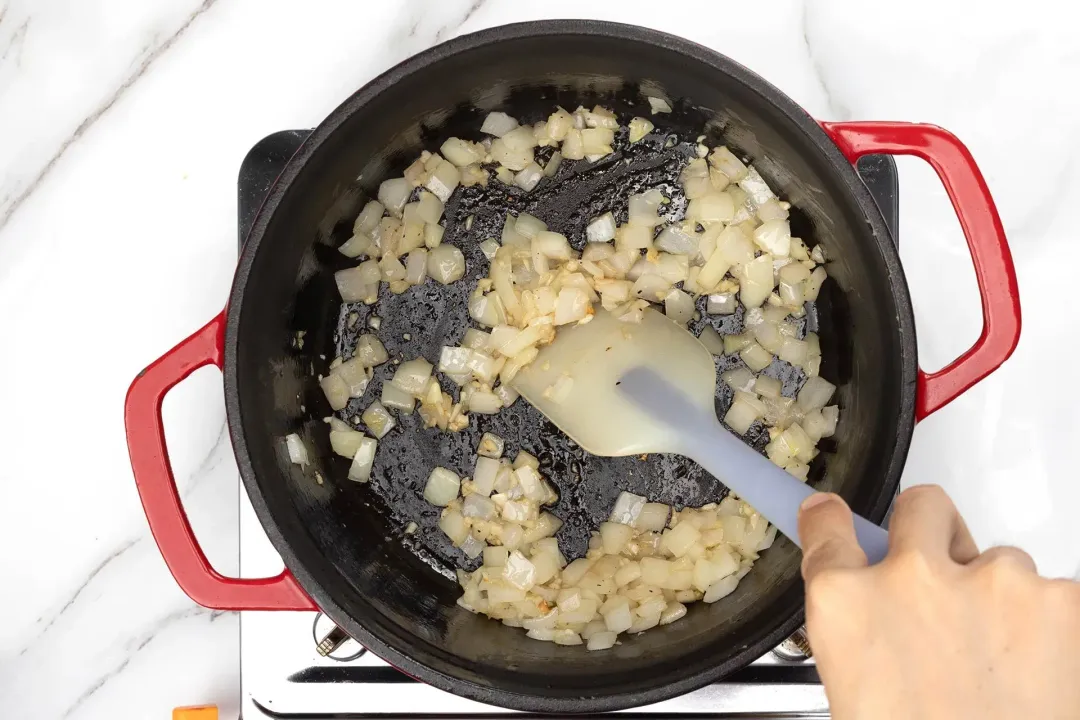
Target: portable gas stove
{"x":300,"y":666}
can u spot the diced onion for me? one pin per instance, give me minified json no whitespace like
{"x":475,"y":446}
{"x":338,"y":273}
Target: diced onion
{"x":768,"y":336}
{"x":446,"y":264}
{"x":735,"y":343}
{"x":814,"y":424}
{"x":498,"y":124}
{"x":643,"y":207}
{"x":635,"y":236}
{"x":652,"y":288}
{"x":355,"y":375}
{"x":721,"y":589}
{"x":346,"y":441}
{"x":477,"y":505}
{"x":529,"y":177}
{"x":433,"y":235}
{"x":394,"y":193}
{"x":744,"y":411}
{"x":658,"y":105}
{"x":484,"y":474}
{"x":354,"y":284}
{"x":756,"y":357}
{"x":767,"y":386}
{"x":511,"y":159}
{"x":597,"y":141}
{"x":520,"y":139}
{"x":679,"y":306}
{"x":639,"y":128}
{"x":815,"y":394}
{"x":363,"y":460}
{"x":831,"y":416}
{"x":506,"y":175}
{"x":489,"y":247}
{"x":672,"y":239}
{"x":453,"y":524}
{"x":487,"y":309}
{"x":454,"y":359}
{"x":462,"y":152}
{"x":573,"y":147}
{"x":794,"y":351}
{"x":416,"y":267}
{"x":298,"y":454}
{"x":653,"y":517}
{"x":553,"y":163}
{"x":412,"y":376}
{"x":756,"y":281}
{"x":551,"y":245}
{"x":359,"y":244}
{"x":712,"y":340}
{"x":721,"y":304}
{"x":738,"y":378}
{"x":391,"y":267}
{"x":571,"y":306}
{"x":813,"y":285}
{"x":336,"y":391}
{"x":442,"y":487}
{"x":485,"y":403}
{"x":601,"y":640}
{"x":725,"y":161}
{"x":396,"y":398}
{"x":370,"y":351}
{"x":483,"y":367}
{"x":771,"y":209}
{"x":369,"y":217}
{"x":601,"y":229}
{"x":757,"y":189}
{"x":507,"y":395}
{"x":472,"y":547}
{"x":430,"y":207}
{"x":710,"y":208}
{"x":627,"y":508}
{"x":378,"y":420}
{"x":774,"y":237}
{"x":597,"y":252}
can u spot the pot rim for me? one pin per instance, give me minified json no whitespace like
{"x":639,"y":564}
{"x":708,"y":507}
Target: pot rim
{"x":813,"y":134}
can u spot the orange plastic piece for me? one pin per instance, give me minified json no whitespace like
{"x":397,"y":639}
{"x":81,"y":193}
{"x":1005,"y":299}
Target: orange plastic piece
{"x":199,"y":712}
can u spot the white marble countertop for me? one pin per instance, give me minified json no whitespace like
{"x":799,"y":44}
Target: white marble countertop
{"x":123,"y":126}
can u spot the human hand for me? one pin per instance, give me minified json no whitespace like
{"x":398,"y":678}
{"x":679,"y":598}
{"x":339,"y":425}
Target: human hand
{"x":936,"y":630}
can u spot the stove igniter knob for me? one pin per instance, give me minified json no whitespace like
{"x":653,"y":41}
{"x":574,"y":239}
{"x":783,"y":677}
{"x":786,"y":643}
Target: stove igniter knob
{"x":332,"y":639}
{"x":795,"y":648}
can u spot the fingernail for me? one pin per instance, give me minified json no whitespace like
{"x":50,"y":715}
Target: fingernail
{"x":814,"y":500}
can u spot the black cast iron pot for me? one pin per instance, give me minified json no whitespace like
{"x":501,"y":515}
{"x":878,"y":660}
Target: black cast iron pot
{"x":342,"y":543}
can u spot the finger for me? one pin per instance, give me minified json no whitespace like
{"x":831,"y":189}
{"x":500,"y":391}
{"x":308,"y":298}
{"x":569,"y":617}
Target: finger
{"x":963,"y":549}
{"x":1005,"y":554}
{"x":828,"y":535}
{"x":925,"y":521}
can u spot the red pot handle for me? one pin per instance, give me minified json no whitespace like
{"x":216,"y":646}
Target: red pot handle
{"x":161,"y":500}
{"x":985,"y":238}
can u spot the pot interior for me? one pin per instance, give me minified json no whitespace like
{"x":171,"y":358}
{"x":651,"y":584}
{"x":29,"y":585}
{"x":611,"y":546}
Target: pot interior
{"x":345,"y":541}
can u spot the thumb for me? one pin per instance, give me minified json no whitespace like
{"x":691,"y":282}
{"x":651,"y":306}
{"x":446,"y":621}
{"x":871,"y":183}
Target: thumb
{"x":827,"y":532}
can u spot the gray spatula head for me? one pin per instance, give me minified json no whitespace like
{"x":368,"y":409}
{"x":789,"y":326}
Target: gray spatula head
{"x":574,"y":381}
{"x":620,"y":388}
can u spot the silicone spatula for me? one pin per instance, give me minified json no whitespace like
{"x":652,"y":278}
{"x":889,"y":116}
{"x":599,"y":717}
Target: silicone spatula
{"x":621,"y":388}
